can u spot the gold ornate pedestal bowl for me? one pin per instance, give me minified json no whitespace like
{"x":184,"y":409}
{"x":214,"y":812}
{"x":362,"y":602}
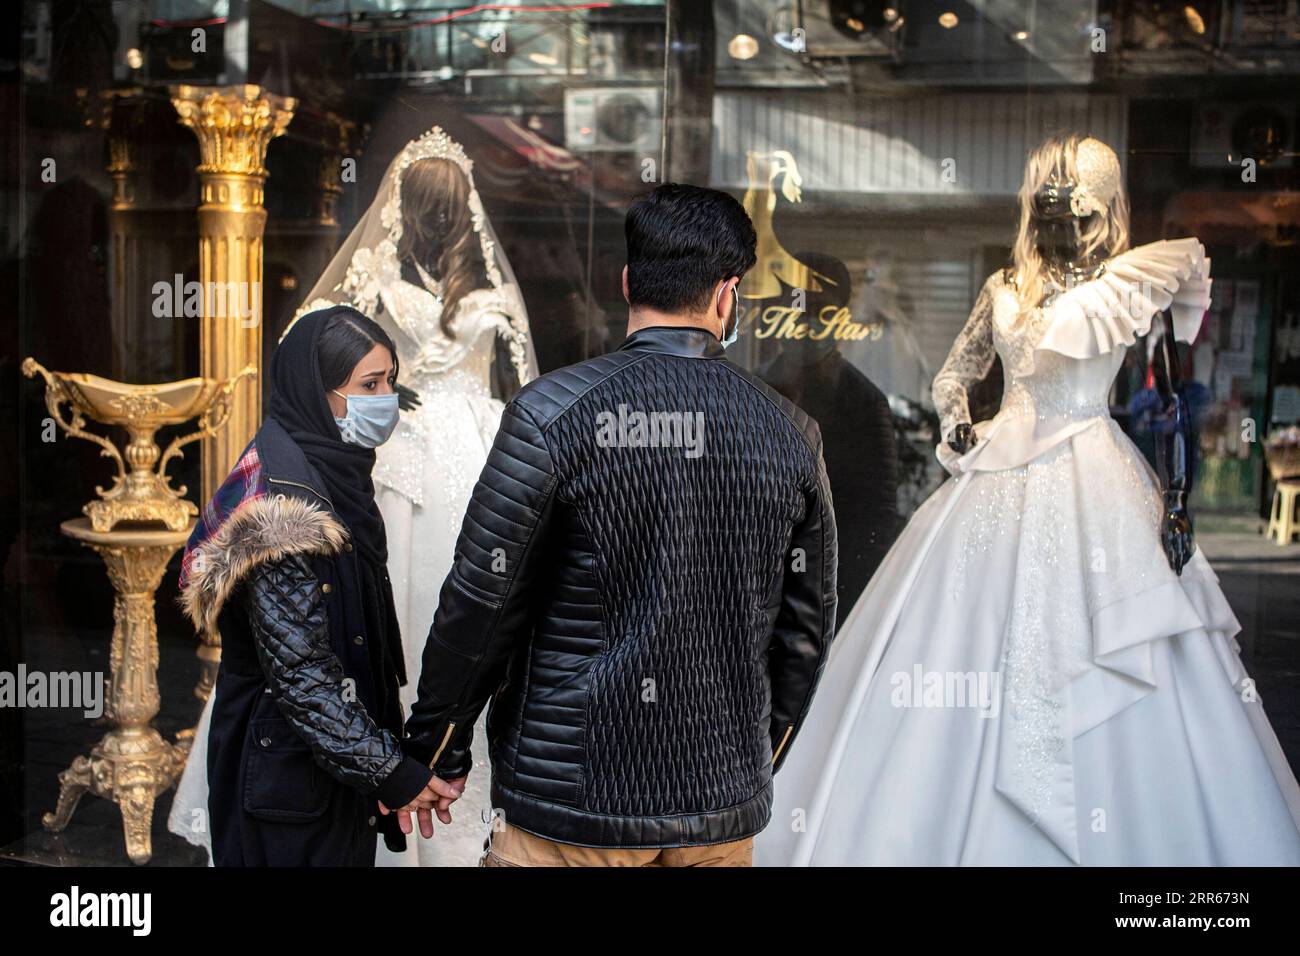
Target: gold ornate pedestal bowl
{"x":135,"y":526}
{"x":142,"y":493}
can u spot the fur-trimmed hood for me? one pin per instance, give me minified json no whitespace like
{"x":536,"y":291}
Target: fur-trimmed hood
{"x":264,"y":528}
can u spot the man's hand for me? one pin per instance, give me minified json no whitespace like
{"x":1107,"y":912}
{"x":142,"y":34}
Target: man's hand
{"x":437,"y":797}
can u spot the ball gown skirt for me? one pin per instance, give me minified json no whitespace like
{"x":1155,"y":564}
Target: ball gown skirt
{"x":1025,"y":682}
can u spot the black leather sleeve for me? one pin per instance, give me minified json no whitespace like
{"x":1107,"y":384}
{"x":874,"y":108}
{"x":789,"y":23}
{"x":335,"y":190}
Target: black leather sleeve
{"x":484,"y":608}
{"x":291,"y":632}
{"x":805,"y":623}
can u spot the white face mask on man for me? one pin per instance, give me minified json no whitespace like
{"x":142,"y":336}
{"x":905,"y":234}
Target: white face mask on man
{"x":370,"y":419}
{"x":729,"y":338}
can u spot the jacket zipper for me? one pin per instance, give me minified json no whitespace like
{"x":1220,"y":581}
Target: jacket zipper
{"x":781,"y":746}
{"x":298,"y":484}
{"x":451,"y":728}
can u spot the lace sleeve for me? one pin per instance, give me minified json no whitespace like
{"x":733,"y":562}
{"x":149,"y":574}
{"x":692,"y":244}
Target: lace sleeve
{"x":968,"y":361}
{"x":501,"y":309}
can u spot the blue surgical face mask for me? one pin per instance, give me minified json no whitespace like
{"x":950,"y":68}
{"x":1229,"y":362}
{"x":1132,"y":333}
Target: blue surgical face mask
{"x":729,"y":338}
{"x":370,"y":419}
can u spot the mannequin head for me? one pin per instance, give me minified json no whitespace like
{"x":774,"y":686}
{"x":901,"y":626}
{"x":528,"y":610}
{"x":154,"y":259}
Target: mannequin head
{"x":438,"y":231}
{"x":1073,"y":215}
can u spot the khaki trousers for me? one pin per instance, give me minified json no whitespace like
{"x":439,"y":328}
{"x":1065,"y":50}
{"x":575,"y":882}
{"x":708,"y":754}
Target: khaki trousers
{"x":514,"y":847}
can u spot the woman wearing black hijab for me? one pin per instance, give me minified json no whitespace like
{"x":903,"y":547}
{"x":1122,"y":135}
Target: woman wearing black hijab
{"x":288,"y":563}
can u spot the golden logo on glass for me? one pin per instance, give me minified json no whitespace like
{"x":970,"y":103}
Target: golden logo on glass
{"x":831,"y":322}
{"x":776,"y":269}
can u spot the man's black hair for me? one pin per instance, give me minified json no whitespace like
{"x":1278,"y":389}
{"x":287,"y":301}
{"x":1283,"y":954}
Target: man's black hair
{"x":681,"y":242}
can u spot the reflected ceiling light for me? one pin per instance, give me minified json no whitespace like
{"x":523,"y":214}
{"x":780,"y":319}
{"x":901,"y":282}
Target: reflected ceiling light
{"x":134,"y":58}
{"x":743,"y":47}
{"x":1020,"y":36}
{"x":890,"y":14}
{"x":1194,"y":20}
{"x":947,"y":20}
{"x":543,"y":59}
{"x":854,"y":24}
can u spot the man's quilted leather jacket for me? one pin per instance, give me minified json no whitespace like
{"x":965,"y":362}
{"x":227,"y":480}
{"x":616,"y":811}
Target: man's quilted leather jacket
{"x":644,"y":585}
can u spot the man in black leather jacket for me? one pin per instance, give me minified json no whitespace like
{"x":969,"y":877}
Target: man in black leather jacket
{"x":644,"y":584}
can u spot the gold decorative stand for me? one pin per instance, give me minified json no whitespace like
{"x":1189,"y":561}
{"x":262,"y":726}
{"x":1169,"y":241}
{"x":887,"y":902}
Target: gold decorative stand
{"x":135,"y":526}
{"x":132,"y":764}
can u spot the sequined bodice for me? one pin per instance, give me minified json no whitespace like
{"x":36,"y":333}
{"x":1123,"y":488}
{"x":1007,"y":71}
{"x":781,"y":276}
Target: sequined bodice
{"x":472,"y":375}
{"x":1045,"y":384}
{"x":433,"y":362}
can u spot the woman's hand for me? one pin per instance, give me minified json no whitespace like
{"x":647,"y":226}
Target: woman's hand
{"x":436,"y":798}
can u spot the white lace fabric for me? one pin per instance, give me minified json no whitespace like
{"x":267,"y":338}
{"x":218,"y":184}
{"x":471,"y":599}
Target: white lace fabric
{"x":1059,"y":359}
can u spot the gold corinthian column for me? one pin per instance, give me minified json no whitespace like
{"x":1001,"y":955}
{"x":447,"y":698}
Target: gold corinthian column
{"x":234,"y":126}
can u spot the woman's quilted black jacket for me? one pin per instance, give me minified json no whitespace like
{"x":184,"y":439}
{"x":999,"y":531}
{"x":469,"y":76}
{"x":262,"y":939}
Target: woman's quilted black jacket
{"x":648,"y":612}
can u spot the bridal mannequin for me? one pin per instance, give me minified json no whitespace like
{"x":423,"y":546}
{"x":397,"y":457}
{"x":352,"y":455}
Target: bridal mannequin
{"x":1059,"y":225}
{"x":1044,"y":669}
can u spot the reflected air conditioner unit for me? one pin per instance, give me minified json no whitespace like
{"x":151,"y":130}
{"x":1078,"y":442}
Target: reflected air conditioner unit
{"x":612,"y":119}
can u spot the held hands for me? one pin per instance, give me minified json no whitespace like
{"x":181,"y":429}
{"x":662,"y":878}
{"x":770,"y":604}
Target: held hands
{"x":436,"y":798}
{"x":963,"y":438}
{"x":1176,"y":535}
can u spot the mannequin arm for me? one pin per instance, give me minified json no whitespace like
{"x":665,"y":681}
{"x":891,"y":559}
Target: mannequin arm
{"x":1174,"y":450}
{"x":968,"y":361}
{"x":407,"y":399}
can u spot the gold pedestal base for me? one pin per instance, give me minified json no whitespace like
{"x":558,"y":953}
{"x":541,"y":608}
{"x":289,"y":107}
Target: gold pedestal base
{"x":129,"y":770}
{"x":132,"y":764}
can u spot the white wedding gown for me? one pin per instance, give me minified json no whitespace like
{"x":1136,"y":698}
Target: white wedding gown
{"x":424,"y":475}
{"x":1025,"y":681}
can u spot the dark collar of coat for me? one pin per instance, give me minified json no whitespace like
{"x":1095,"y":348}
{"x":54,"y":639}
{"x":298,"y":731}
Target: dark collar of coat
{"x":285,"y":465}
{"x":686,"y":341}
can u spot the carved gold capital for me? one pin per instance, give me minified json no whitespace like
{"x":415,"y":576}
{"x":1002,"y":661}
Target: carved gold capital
{"x":234,"y":125}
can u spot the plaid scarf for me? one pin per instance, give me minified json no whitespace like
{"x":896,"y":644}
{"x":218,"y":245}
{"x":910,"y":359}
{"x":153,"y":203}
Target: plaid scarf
{"x":245,"y":483}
